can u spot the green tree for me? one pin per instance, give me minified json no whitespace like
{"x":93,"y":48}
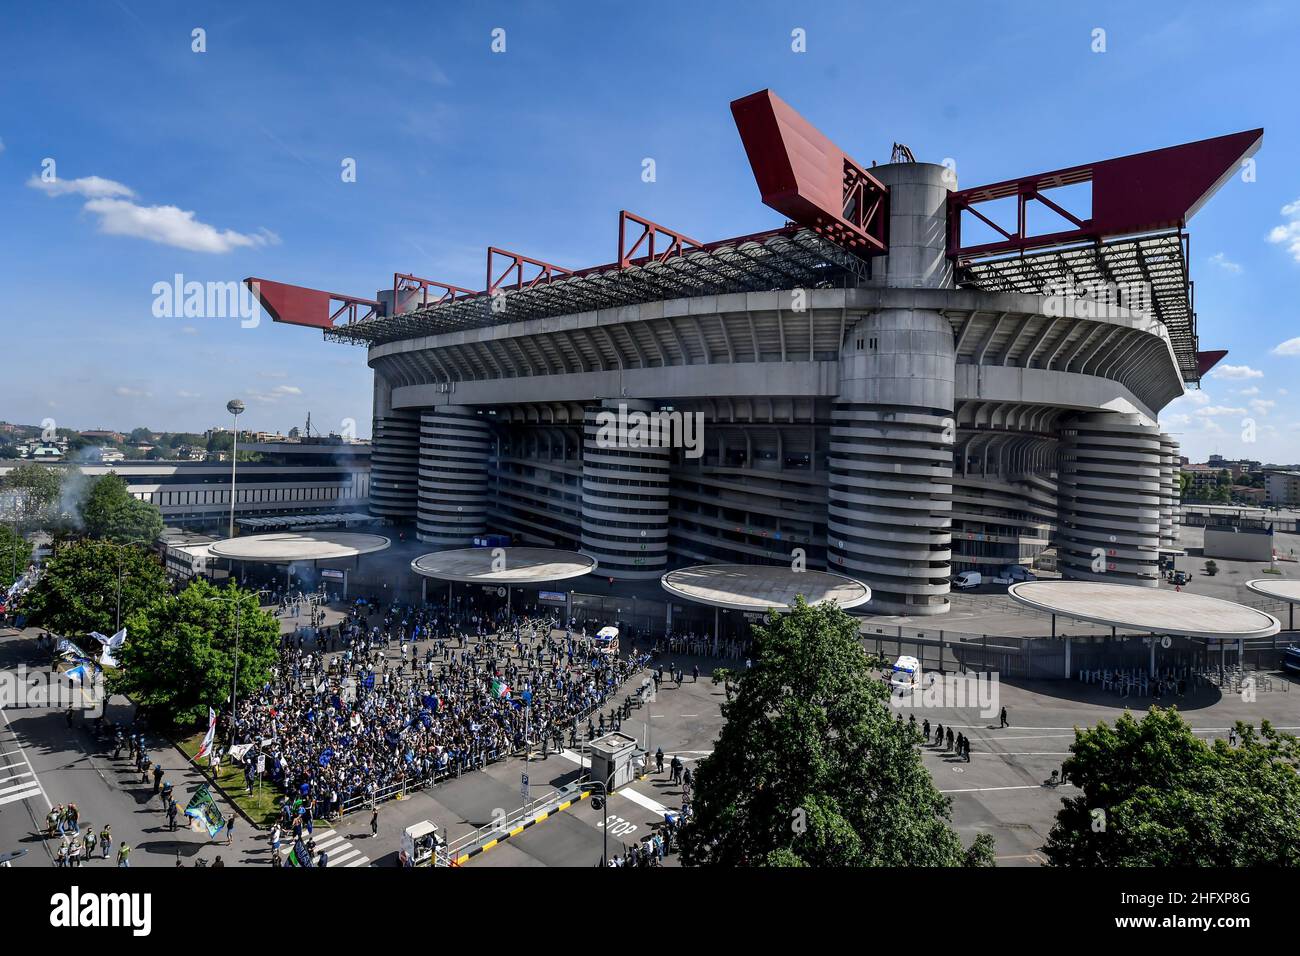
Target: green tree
{"x":812,"y":767}
{"x":32,"y":489}
{"x":15,"y":555}
{"x":78,"y":589}
{"x":110,"y":511}
{"x":179,"y":656}
{"x":1154,"y":794}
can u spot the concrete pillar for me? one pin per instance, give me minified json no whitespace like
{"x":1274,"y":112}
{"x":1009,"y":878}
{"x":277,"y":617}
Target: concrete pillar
{"x":1169,"y":499}
{"x":889,"y":508}
{"x":624,"y":493}
{"x":1109,"y":498}
{"x":394,"y":457}
{"x":455,"y":444}
{"x":892,"y":432}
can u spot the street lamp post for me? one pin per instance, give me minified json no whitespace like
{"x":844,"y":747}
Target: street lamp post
{"x":235,"y":407}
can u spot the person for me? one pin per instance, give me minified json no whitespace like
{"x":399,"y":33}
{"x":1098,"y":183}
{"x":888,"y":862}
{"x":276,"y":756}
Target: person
{"x":925,"y":729}
{"x":948,"y":740}
{"x":323,"y":860}
{"x":695,"y":674}
{"x":217,"y":862}
{"x":374,"y":822}
{"x":157,"y":777}
{"x":659,"y":760}
{"x":124,"y":855}
{"x":966,"y":748}
{"x":106,"y":839}
{"x":171,"y":814}
{"x":938,"y":734}
{"x":1004,"y":717}
{"x":230,"y":830}
{"x":1232,"y":737}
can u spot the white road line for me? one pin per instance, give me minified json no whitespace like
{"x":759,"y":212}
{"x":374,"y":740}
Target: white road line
{"x":9,"y":766}
{"x":21,"y":795}
{"x":10,"y":753}
{"x":347,"y":854}
{"x":17,"y":786}
{"x":640,"y":799}
{"x":48,"y":805}
{"x":363,"y":861}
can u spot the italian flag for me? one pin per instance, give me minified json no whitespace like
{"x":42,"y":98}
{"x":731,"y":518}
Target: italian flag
{"x":500,"y":689}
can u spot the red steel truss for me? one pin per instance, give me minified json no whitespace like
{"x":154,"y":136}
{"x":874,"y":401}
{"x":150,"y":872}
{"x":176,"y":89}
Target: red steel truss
{"x":1145,"y":192}
{"x":546,"y":271}
{"x":403,"y":282}
{"x":296,"y":305}
{"x":807,"y":178}
{"x":649,"y":231}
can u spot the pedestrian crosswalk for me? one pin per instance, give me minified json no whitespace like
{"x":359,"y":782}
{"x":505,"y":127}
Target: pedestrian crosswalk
{"x":17,"y":778}
{"x":338,"y":851}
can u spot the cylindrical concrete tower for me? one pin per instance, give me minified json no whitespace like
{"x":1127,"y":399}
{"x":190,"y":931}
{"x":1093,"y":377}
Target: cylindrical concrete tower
{"x":892,"y":431}
{"x":1169,"y":497}
{"x":1110,"y":500}
{"x":455,"y":446}
{"x":394,"y":465}
{"x":624,"y":494}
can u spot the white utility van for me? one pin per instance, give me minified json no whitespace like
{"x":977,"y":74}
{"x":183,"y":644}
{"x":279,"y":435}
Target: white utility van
{"x":967,"y":579}
{"x":906,"y":674}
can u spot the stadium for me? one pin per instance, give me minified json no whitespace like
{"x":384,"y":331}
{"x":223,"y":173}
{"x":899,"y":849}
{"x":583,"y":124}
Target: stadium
{"x":905,"y":380}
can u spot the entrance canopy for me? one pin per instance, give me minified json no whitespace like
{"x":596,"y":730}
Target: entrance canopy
{"x":758,"y":588}
{"x":1149,"y":610}
{"x":293,"y":546}
{"x":508,"y":566}
{"x":1278,"y":590}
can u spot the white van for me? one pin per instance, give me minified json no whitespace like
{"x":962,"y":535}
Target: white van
{"x":967,"y":579}
{"x":905,"y":674}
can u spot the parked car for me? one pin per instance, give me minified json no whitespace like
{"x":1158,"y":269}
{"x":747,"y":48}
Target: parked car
{"x":967,"y":579}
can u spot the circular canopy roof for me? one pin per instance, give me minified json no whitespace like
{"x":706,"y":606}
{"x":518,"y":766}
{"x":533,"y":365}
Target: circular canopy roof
{"x":748,"y":587}
{"x":1153,"y":610}
{"x":1280,"y":590}
{"x":289,"y":546}
{"x":518,"y":565}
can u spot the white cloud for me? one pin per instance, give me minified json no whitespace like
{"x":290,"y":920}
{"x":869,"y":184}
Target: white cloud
{"x":172,"y":226}
{"x":1236,"y":371}
{"x":2,"y":144}
{"x":127,"y":392}
{"x":1288,"y":233}
{"x":1289,"y":347}
{"x":184,"y":394}
{"x":275,"y":394}
{"x":1262,"y":406}
{"x":1213,"y":411}
{"x":1253,"y":390}
{"x":1222,"y":261}
{"x":189,"y":330}
{"x":91,"y":187}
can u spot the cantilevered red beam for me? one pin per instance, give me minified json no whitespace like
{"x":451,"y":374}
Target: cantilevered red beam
{"x":297,"y":305}
{"x":807,"y":178}
{"x":1145,"y":192}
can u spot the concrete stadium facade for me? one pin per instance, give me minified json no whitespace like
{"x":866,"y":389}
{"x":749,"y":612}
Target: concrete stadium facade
{"x":893,"y":424}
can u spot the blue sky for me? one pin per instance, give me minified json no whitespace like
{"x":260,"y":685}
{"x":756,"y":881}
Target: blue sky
{"x":231,"y":164}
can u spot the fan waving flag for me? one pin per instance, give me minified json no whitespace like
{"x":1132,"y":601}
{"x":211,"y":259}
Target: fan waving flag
{"x":500,"y":689}
{"x":205,"y":749}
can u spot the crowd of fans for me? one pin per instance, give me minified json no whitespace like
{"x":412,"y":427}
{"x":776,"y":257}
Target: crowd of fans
{"x":398,"y":697}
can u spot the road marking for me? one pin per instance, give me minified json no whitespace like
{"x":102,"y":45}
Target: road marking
{"x":21,"y":795}
{"x":642,"y":800}
{"x":40,"y":787}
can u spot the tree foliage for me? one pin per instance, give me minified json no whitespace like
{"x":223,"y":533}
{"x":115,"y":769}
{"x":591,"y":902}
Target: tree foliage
{"x":1155,"y":794}
{"x":32,"y":489}
{"x":78,"y":588}
{"x":812,"y":768}
{"x":15,"y":555}
{"x":110,"y":511}
{"x":179,"y":657}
